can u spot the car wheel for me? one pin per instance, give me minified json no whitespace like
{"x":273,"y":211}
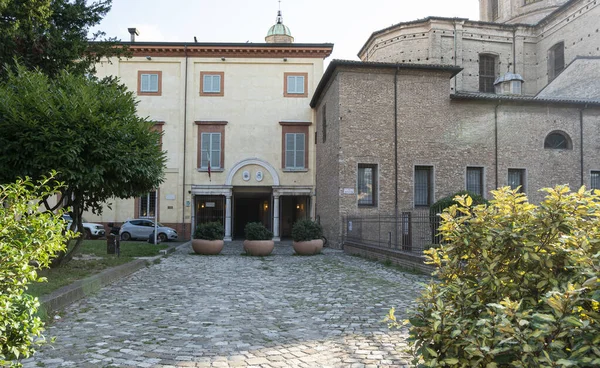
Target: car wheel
{"x":87,"y":234}
{"x":125,"y":236}
{"x":162,"y":237}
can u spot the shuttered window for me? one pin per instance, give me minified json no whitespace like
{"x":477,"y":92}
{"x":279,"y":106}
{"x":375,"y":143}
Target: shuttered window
{"x":149,"y":83}
{"x":211,"y":147}
{"x":295,"y":150}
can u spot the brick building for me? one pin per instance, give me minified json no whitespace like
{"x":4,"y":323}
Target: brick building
{"x":523,"y":109}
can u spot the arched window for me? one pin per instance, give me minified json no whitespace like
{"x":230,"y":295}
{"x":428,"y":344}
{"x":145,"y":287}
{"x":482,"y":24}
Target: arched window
{"x":556,"y":60}
{"x":558,"y":140}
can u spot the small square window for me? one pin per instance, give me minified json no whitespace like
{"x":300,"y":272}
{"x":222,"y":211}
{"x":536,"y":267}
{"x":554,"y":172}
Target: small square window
{"x":149,"y":83}
{"x":295,"y":84}
{"x":367,"y":185}
{"x":212,"y":83}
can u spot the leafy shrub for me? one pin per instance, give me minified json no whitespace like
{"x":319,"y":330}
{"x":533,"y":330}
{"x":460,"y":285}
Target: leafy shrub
{"x":439,"y":207}
{"x":305,"y":230}
{"x":210,"y":231}
{"x":29,"y":239}
{"x":257,"y":231}
{"x":519,"y":284}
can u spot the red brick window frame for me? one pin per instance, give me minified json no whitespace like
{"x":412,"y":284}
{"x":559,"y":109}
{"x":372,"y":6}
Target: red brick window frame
{"x":290,"y":81}
{"x":211,"y":127}
{"x":142,"y":73}
{"x":210,"y":90}
{"x":291,"y":128}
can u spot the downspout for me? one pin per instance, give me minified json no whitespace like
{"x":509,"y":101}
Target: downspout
{"x":496,"y":139}
{"x":455,"y":56}
{"x":581,"y":140}
{"x":514,"y":50}
{"x":396,"y":152}
{"x":184,"y":141}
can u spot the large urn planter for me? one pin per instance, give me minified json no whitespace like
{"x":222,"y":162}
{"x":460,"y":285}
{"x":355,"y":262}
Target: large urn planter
{"x":258,"y":247}
{"x":308,"y":248}
{"x":259,"y":240}
{"x":308,"y":237}
{"x":207,"y":247}
{"x":208,"y":238}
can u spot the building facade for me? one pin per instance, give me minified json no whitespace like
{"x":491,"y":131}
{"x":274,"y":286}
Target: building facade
{"x":237,"y":130}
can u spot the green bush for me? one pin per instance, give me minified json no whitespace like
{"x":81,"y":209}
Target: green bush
{"x":257,"y":231}
{"x":29,"y":239}
{"x":519,"y":284}
{"x":209,"y":231}
{"x":305,"y":230}
{"x":439,"y":207}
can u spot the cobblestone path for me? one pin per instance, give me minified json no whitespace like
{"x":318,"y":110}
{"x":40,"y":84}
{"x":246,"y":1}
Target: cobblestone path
{"x":237,"y":311}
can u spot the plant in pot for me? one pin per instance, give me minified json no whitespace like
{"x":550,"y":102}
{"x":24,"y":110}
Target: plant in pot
{"x":308,"y":237}
{"x":208,"y":238}
{"x":259,"y":240}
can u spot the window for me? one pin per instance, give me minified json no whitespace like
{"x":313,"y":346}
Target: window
{"x":595,"y":180}
{"x":558,"y":140}
{"x":295,"y":85}
{"x":487,"y":73}
{"x":294,"y":150}
{"x":147,"y":205}
{"x":210,"y":149}
{"x":527,"y":2}
{"x":516,"y":178}
{"x":211,"y":143}
{"x":367,"y":185}
{"x":423,"y":186}
{"x":149,"y":83}
{"x":494,"y":9}
{"x":324,"y":123}
{"x":212,"y":83}
{"x":475,"y":180}
{"x":556,"y":60}
{"x":295,"y":145}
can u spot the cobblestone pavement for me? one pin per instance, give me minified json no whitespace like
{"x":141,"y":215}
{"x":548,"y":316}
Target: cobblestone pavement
{"x":238,"y":311}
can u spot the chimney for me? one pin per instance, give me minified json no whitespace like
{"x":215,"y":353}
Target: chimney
{"x":133,"y":32}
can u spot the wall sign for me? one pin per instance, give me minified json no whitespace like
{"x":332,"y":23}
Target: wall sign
{"x":348,"y":190}
{"x":210,"y":204}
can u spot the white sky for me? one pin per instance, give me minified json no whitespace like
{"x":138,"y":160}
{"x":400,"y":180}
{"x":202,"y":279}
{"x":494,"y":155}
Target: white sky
{"x":346,"y":24}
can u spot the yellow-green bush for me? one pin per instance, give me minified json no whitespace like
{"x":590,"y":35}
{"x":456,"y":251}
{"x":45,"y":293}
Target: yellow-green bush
{"x":28,"y":241}
{"x":518,"y":284}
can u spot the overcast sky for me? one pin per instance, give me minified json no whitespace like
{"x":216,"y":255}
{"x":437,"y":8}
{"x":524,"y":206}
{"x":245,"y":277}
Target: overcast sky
{"x":345,"y":23}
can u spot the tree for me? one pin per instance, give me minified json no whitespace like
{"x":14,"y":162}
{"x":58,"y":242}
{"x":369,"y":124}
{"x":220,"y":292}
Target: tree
{"x":519,"y":284}
{"x":28,"y":240}
{"x":53,"y":35}
{"x":85,"y":129}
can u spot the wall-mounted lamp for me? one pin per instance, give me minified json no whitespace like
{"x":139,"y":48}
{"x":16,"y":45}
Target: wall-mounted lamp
{"x":284,"y":59}
{"x":202,"y":206}
{"x":148,"y":57}
{"x":223,"y":58}
{"x":265,"y":205}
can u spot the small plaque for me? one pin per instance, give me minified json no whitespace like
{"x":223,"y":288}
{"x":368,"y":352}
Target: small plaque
{"x":210,"y":204}
{"x":349,"y":225}
{"x":246,"y":175}
{"x":170,"y":197}
{"x":259,"y":175}
{"x":348,"y":190}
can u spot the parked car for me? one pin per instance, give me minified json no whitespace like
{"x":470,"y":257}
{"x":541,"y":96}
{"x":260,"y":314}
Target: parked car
{"x":90,"y":230}
{"x":142,"y":228}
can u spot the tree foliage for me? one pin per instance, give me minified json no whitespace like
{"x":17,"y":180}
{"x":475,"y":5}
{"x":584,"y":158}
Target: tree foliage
{"x":28,"y":240}
{"x":85,"y":129}
{"x":519,"y":284}
{"x":52,"y":35}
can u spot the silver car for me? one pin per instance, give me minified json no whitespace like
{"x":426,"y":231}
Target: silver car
{"x":142,"y":228}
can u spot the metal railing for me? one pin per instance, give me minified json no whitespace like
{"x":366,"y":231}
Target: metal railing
{"x":410,"y":231}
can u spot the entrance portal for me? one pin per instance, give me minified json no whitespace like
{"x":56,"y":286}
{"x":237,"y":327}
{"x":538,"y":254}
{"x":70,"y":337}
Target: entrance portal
{"x":251,"y":205}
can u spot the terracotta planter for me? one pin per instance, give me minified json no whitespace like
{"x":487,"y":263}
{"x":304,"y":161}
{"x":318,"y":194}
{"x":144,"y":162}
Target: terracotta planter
{"x":259,"y":247}
{"x":308,"y":248}
{"x":207,"y":247}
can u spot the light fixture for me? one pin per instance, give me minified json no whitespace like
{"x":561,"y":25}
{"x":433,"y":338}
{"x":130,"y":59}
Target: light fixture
{"x":223,"y":58}
{"x":202,"y":205}
{"x":284,"y":59}
{"x":148,"y":57}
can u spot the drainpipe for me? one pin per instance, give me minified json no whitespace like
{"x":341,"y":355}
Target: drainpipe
{"x":581,"y":140}
{"x":396,"y":152}
{"x":455,"y":56}
{"x":514,"y":50}
{"x":184,"y":143}
{"x":496,"y":139}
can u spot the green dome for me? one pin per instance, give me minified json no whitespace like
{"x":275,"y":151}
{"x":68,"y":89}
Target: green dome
{"x":279,"y":30}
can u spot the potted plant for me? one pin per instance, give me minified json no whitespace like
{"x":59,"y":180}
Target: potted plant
{"x":208,"y":238}
{"x":259,"y":240}
{"x":308,"y":237}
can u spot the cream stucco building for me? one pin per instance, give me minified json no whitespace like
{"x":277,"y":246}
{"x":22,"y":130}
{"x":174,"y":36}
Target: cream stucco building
{"x":237,"y":128}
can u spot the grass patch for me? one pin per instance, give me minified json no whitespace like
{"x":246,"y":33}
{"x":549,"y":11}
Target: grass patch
{"x":79,"y":269}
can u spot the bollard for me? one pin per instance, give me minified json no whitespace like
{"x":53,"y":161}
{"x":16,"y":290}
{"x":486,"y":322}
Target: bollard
{"x":110,"y":243}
